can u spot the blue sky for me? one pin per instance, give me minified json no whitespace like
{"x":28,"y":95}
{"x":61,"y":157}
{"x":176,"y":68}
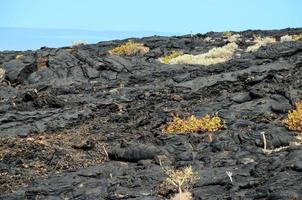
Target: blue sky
{"x":156,"y":15}
{"x":165,"y":16}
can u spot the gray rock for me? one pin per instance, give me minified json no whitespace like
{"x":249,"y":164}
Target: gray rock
{"x":242,"y":97}
{"x":279,"y":50}
{"x":91,"y":73}
{"x":134,"y":153}
{"x":16,"y":70}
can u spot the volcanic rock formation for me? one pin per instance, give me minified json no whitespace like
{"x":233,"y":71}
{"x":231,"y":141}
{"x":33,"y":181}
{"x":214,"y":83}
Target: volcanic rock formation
{"x":80,"y":123}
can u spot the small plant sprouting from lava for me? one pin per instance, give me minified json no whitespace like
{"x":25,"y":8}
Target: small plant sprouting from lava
{"x":294,"y":118}
{"x":130,"y":48}
{"x":182,"y":179}
{"x":193,"y":125}
{"x":173,"y":54}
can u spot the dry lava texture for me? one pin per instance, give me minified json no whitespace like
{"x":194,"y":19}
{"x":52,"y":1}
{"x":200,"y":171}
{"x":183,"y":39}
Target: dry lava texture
{"x":80,"y":123}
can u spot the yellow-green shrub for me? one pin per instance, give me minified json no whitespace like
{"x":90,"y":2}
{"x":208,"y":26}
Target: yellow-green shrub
{"x":173,"y":54}
{"x":193,"y":124}
{"x":294,"y":118}
{"x":226,"y":34}
{"x":130,"y":49}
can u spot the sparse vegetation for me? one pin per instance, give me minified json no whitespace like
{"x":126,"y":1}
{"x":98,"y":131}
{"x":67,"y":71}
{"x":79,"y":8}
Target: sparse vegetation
{"x":70,"y":50}
{"x":214,"y":56}
{"x":19,"y":56}
{"x":2,"y":73}
{"x":166,"y":59}
{"x":193,"y":124}
{"x":78,"y":43}
{"x":182,"y":179}
{"x":234,"y":38}
{"x":231,"y":37}
{"x":42,"y":147}
{"x":286,"y":38}
{"x":130,"y":49}
{"x":226,"y":34}
{"x":90,"y":118}
{"x":297,"y":37}
{"x":294,"y":118}
{"x":259,"y":42}
{"x":208,"y":39}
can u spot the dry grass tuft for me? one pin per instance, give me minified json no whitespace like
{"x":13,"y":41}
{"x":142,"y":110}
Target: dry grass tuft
{"x":193,"y":125}
{"x":173,"y":54}
{"x":19,"y":56}
{"x":78,"y":43}
{"x":287,"y":38}
{"x":228,"y":36}
{"x":259,"y":42}
{"x":208,"y":39}
{"x":234,"y":38}
{"x":130,"y":49}
{"x":2,"y":73}
{"x":297,"y":37}
{"x":214,"y":56}
{"x":294,"y":118}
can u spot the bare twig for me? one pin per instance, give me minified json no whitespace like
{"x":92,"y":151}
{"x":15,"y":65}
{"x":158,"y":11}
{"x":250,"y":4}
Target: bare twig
{"x":160,"y":164}
{"x":106,"y":153}
{"x":291,"y":144}
{"x":210,"y":137}
{"x":229,"y":175}
{"x":264,"y":141}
